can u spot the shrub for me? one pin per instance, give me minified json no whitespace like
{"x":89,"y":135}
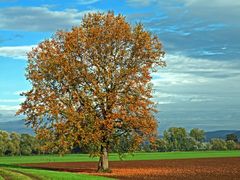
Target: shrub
{"x":161,"y":145}
{"x":231,"y":145}
{"x":218,"y":144}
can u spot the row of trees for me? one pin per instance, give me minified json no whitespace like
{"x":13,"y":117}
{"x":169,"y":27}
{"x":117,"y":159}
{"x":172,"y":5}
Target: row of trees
{"x":178,"y":139}
{"x":174,"y":139}
{"x":18,"y":144}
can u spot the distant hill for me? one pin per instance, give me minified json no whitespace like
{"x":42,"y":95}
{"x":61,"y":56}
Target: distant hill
{"x":221,"y":134}
{"x":15,"y":126}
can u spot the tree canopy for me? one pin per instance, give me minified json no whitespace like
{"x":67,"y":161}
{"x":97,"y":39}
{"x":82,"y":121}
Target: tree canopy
{"x":197,"y":134}
{"x":91,"y":86}
{"x":232,"y":137}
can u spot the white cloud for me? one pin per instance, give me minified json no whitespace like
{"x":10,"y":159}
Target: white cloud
{"x":8,"y":108}
{"x":169,"y":98}
{"x":171,"y":78}
{"x":39,"y":18}
{"x":200,"y":99}
{"x":86,"y":2}
{"x":7,"y":113}
{"x":16,"y":52}
{"x":163,"y":102}
{"x":187,"y":70}
{"x":196,"y":80}
{"x":207,"y":3}
{"x":225,"y":11}
{"x":12,"y":100}
{"x":212,"y":3}
{"x":139,"y":2}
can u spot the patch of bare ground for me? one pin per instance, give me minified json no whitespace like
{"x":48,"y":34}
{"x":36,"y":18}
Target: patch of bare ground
{"x":193,"y":169}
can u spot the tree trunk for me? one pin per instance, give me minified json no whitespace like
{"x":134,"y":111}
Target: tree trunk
{"x":103,"y":161}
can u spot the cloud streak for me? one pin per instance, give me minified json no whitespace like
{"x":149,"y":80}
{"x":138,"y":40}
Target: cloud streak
{"x":39,"y":18}
{"x":198,"y":28}
{"x":12,"y":100}
{"x":212,"y":3}
{"x":86,"y":2}
{"x":139,"y":3}
{"x":195,"y":80}
{"x":8,"y":109}
{"x":15,"y":52}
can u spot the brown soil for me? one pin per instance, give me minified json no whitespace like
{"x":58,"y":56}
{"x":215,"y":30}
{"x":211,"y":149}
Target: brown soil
{"x":193,"y":169}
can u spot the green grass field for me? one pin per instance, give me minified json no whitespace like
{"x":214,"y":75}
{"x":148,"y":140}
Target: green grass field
{"x":10,"y":170}
{"x":18,"y":173}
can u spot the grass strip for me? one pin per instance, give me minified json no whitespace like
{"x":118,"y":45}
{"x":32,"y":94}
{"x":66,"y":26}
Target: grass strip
{"x":115,"y":157}
{"x":10,"y":175}
{"x":182,"y":155}
{"x":53,"y":175}
{"x":33,"y":177}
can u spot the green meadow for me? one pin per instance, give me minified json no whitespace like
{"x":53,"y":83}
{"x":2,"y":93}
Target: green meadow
{"x":9,"y":168}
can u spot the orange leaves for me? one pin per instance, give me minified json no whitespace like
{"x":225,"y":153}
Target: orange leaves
{"x":91,"y":85}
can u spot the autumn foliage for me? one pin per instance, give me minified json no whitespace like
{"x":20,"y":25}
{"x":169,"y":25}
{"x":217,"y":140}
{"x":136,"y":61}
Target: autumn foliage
{"x":91,"y":86}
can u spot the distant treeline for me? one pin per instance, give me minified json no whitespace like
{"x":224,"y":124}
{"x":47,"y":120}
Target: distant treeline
{"x":18,"y":144}
{"x":178,"y":139}
{"x":174,"y":139}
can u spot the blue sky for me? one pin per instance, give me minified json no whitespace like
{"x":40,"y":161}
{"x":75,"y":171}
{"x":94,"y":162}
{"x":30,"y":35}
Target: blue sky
{"x":198,"y":88}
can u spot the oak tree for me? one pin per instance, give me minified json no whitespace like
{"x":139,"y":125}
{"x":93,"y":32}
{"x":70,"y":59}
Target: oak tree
{"x":176,"y":137}
{"x":232,"y":137}
{"x":197,"y":134}
{"x":91,"y":86}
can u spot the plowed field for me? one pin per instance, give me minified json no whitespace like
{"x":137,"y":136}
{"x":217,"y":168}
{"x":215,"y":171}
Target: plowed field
{"x":205,"y":168}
